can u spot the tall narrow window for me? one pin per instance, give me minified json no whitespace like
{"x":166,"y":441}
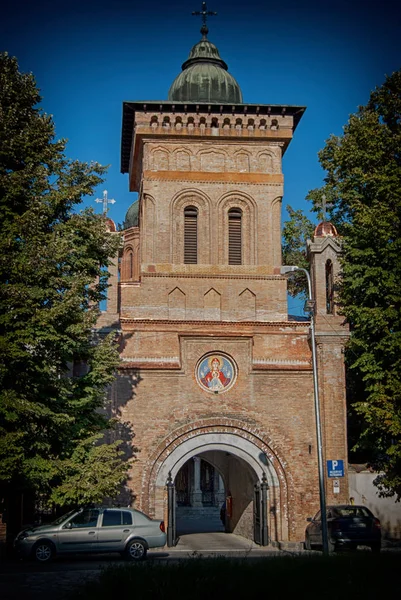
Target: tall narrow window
{"x":190,"y":235}
{"x":131,"y":265}
{"x":329,"y":288}
{"x":234,"y":236}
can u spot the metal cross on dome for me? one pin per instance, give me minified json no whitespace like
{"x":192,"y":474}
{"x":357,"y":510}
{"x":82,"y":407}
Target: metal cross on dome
{"x":105,"y":201}
{"x":325,"y":205}
{"x":204,"y":13}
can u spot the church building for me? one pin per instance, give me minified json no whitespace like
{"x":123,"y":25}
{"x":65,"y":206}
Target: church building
{"x":215,"y":388}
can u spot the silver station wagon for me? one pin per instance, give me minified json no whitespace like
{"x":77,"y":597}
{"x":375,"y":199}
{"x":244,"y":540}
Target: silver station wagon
{"x":124,"y":530}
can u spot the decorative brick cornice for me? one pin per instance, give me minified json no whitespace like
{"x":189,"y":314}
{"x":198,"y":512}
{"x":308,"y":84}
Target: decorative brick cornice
{"x":211,"y":181}
{"x":129,"y":284}
{"x":336,"y":338}
{"x":225,"y":324}
{"x":150,"y":362}
{"x":244,"y":143}
{"x":177,"y":275}
{"x":131,"y":109}
{"x":149,"y":366}
{"x":272,"y":364}
{"x":173,"y":363}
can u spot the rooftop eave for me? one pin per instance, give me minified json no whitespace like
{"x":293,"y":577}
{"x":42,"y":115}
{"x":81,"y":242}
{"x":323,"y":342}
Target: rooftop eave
{"x":130,"y":108}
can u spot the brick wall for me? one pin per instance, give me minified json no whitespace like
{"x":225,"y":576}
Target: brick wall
{"x":173,"y":314}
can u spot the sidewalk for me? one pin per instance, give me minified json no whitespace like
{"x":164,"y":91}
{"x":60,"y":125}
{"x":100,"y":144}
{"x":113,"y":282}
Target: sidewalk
{"x":218,"y":544}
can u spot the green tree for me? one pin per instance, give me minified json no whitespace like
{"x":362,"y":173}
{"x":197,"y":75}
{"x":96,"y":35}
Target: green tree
{"x":53,"y":275}
{"x":363,"y":184}
{"x":296,"y":231}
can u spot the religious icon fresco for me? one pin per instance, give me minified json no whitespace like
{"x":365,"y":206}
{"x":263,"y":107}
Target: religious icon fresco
{"x":216,"y":373}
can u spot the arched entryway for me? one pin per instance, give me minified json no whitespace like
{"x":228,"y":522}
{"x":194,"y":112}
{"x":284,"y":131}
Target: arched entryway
{"x":240,"y":458}
{"x":216,"y":491}
{"x":200,"y":495}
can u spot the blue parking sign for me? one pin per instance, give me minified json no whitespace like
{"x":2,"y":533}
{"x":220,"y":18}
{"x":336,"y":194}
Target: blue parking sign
{"x":335,"y":468}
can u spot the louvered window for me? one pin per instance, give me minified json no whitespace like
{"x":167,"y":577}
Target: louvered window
{"x":234,"y":236}
{"x":190,"y":235}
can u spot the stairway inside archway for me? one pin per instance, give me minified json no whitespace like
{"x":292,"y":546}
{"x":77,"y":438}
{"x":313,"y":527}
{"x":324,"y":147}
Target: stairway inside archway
{"x":198,"y":520}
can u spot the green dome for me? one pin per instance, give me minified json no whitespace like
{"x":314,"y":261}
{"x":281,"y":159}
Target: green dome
{"x":132,"y":218}
{"x":204,"y":78}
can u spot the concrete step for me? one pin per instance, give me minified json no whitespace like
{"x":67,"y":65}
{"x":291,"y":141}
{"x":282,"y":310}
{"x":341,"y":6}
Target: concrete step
{"x":190,"y":512}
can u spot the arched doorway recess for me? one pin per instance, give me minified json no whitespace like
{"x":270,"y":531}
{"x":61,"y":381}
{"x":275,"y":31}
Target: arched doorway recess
{"x":241,"y":458}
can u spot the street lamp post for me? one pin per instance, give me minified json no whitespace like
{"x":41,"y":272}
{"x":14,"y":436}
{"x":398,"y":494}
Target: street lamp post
{"x":287,"y":270}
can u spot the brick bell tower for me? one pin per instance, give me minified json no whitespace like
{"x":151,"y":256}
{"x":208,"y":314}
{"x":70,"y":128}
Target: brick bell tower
{"x":214,"y":374}
{"x":331,"y":336}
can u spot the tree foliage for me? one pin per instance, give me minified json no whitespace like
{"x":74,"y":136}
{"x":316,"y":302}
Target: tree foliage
{"x":92,"y":472}
{"x":53,"y":275}
{"x":363,"y":184}
{"x":296,"y":231}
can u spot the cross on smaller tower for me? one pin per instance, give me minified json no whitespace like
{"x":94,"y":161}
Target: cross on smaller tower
{"x":324,"y":206}
{"x":204,"y":13}
{"x":106,"y":201}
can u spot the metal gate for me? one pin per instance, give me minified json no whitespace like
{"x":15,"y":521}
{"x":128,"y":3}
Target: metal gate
{"x":261,"y":536}
{"x":171,"y":517}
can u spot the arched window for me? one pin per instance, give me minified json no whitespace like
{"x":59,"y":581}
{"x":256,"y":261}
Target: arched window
{"x":131,"y":265}
{"x":190,"y":235}
{"x":329,"y":288}
{"x":234,"y":236}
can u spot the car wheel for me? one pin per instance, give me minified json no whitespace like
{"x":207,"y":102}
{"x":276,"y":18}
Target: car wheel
{"x":376,"y":547}
{"x":43,"y":552}
{"x":136,"y":550}
{"x":308,"y":545}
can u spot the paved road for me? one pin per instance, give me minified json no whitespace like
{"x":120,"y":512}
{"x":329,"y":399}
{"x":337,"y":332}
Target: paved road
{"x":32,"y":581}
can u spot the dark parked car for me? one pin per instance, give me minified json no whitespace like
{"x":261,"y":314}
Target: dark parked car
{"x":90,"y":530}
{"x":348,"y":526}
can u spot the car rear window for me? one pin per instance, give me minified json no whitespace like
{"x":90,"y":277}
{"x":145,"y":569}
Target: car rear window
{"x":111,"y":518}
{"x":352,"y":511}
{"x":127,"y":517}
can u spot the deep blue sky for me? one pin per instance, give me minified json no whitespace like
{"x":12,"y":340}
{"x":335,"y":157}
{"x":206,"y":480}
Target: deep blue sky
{"x":90,"y":55}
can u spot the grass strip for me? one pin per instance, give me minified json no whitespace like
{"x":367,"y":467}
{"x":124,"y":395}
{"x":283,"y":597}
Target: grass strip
{"x":353,"y":576}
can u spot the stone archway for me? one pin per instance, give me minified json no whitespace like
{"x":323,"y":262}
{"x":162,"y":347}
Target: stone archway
{"x":217,"y":442}
{"x":243,"y":458}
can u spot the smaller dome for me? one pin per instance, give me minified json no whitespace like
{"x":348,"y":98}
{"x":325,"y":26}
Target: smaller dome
{"x":110,"y":225}
{"x":325,"y":229}
{"x":132,"y":216}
